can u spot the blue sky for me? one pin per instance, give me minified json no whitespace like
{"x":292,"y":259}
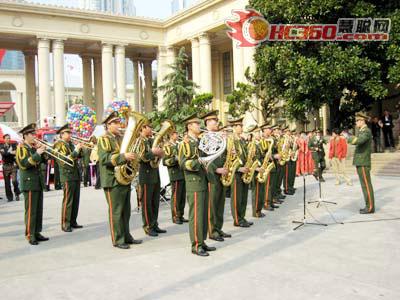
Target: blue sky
{"x":145,"y":8}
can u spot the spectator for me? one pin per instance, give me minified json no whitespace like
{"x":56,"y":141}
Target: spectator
{"x":376,"y":126}
{"x":337,"y":156}
{"x":387,"y":129}
{"x":7,"y":151}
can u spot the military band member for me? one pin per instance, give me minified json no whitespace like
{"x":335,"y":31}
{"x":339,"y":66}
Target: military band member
{"x":28,"y":158}
{"x":258,"y":189}
{"x":316,"y":146}
{"x":270,"y":183}
{"x":290,"y":167}
{"x":70,"y":179}
{"x":279,"y":141}
{"x":239,"y":190}
{"x":196,"y":187}
{"x":362,"y":161}
{"x":149,"y":180}
{"x":117,"y":195}
{"x":176,"y":178}
{"x":216,"y":191}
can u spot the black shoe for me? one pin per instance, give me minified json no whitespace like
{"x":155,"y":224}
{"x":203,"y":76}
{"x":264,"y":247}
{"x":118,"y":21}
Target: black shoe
{"x":278,"y":201}
{"x":269,"y":208}
{"x":134,"y":242}
{"x":10,"y":200}
{"x":76,"y":226}
{"x":41,"y":238}
{"x":200,"y":252}
{"x":243,"y":224}
{"x":208,"y":248}
{"x":159,"y":230}
{"x":184,"y":220}
{"x":280,"y":196}
{"x":249,"y":222}
{"x":178,"y":221}
{"x":217,"y":238}
{"x":122,"y":246}
{"x":262,"y":215}
{"x":67,"y":229}
{"x":274,"y":206}
{"x":365,"y":211}
{"x":151,"y":232}
{"x":225,"y":235}
{"x":33,"y":242}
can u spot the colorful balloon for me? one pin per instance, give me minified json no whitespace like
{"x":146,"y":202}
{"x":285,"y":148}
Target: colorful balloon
{"x":82,"y":120}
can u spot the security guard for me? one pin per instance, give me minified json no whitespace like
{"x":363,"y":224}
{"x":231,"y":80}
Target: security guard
{"x":28,"y":158}
{"x":196,"y":187}
{"x":117,"y":195}
{"x":176,"y":179}
{"x":70,"y":179}
{"x":216,"y":191}
{"x":362,"y":161}
{"x":239,"y":190}
{"x":316,"y":146}
{"x":149,"y":180}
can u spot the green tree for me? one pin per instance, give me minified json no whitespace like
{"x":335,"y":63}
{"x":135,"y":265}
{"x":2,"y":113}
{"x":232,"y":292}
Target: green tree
{"x":346,"y":76}
{"x":180,"y":96}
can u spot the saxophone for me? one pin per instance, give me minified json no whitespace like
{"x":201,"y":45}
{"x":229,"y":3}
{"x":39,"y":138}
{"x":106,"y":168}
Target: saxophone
{"x":284,"y":150}
{"x":131,"y":143}
{"x":232,"y":162}
{"x":252,"y":163}
{"x":295,"y":149}
{"x":268,"y":163}
{"x":166,"y":128}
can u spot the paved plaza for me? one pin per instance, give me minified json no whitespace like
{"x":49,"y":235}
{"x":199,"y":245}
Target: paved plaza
{"x":356,"y":260}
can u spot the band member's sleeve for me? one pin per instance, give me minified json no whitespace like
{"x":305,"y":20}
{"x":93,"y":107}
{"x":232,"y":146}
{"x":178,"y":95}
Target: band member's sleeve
{"x":362,"y":138}
{"x":25,"y":160}
{"x":107,"y":156}
{"x":187,"y":160}
{"x":62,"y":149}
{"x":147,"y":154}
{"x":170,"y":159}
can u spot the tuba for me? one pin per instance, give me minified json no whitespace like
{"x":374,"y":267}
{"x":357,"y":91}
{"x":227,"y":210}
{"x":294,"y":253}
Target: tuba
{"x":251,"y":163}
{"x":131,"y":143}
{"x":232,"y":162}
{"x":166,"y":128}
{"x":268,"y":163}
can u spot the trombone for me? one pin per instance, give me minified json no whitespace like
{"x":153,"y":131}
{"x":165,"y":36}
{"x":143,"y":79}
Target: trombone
{"x":55,"y":154}
{"x":85,"y":143}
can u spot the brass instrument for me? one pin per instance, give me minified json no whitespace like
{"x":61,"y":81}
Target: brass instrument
{"x":232,"y":162}
{"x":54,"y":153}
{"x":166,"y":128}
{"x":86,"y":144}
{"x":213,"y":144}
{"x":131,"y":143}
{"x":295,"y":150}
{"x":268,"y":163}
{"x":251,"y":163}
{"x":284,"y":150}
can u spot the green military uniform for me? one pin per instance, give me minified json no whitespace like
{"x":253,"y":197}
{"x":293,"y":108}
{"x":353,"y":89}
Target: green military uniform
{"x":280,"y":168}
{"x":292,"y":165}
{"x":316,"y":147}
{"x":70,"y":179}
{"x":239,"y":189}
{"x":32,"y":185}
{"x":86,"y":166}
{"x":117,"y":195}
{"x":362,"y":161}
{"x":149,"y":180}
{"x":258,"y":194}
{"x":177,"y":180}
{"x":290,"y":170}
{"x":216,"y":192}
{"x":196,"y":191}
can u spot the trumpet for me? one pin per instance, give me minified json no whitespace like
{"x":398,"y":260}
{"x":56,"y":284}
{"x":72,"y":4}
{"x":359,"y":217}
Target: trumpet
{"x":85,"y":143}
{"x":53,"y":153}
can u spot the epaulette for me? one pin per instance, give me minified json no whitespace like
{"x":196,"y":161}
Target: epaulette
{"x":104,"y":142}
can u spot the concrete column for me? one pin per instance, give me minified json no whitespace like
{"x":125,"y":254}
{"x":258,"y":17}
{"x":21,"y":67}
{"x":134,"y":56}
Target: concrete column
{"x":161,"y":67}
{"x":30,"y":83}
{"x":148,"y":91}
{"x":238,"y":71}
{"x":120,"y":71}
{"x":98,"y":89}
{"x":107,"y":72}
{"x":195,"y":61}
{"x":44,"y":78}
{"x":135,"y":103}
{"x":215,"y":79}
{"x":325,"y":118}
{"x":205,"y":63}
{"x":87,"y":80}
{"x":141,"y":87}
{"x":59,"y":87}
{"x":171,"y":55}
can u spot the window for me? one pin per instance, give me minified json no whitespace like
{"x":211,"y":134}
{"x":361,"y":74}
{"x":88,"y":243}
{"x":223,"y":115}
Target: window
{"x":226,"y":65}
